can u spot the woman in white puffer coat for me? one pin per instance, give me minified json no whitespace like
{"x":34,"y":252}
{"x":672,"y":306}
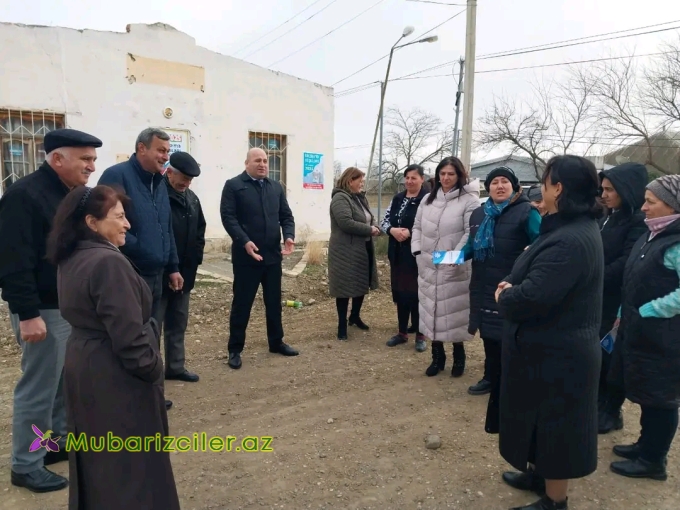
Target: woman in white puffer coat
{"x":443,"y":224}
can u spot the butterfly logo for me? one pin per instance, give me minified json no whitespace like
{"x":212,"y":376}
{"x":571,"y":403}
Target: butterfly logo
{"x":44,"y":441}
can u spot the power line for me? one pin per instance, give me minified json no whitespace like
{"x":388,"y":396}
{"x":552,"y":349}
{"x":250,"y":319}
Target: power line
{"x":385,"y":56}
{"x":279,"y":26}
{"x":523,"y":51}
{"x":367,"y":86}
{"x":289,"y":31}
{"x":326,"y":35}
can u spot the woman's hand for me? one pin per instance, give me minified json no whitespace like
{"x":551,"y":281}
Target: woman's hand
{"x":501,"y":287}
{"x":400,"y":234}
{"x":375,"y":231}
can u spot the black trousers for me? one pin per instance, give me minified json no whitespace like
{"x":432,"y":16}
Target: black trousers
{"x":155,"y":283}
{"x":174,"y":309}
{"x":492,"y":373}
{"x":658,"y":429}
{"x":247,"y":279}
{"x":406,"y":309}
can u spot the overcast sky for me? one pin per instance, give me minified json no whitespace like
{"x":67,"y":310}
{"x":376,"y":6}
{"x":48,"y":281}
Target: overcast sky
{"x":241,"y":27}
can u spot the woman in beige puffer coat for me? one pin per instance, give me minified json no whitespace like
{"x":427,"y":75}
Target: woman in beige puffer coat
{"x":443,"y":223}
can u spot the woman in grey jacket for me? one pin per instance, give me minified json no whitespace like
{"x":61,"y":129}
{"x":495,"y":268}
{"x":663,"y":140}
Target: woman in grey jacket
{"x":352,"y":268}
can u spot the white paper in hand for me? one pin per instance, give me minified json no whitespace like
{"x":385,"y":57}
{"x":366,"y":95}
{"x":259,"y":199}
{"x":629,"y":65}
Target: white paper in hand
{"x":448,"y":257}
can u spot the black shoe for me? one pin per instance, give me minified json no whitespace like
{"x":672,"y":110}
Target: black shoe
{"x":627,"y":451}
{"x":481,"y":388}
{"x":40,"y":480}
{"x":55,"y":457}
{"x":640,"y":468}
{"x":528,"y":481}
{"x":342,"y":330}
{"x":356,"y":321}
{"x":438,"y":360}
{"x":185,"y":376}
{"x":168,"y":404}
{"x":545,"y":503}
{"x":608,"y":422}
{"x":284,"y":349}
{"x":397,"y":339}
{"x":235,"y":360}
{"x":458,"y":367}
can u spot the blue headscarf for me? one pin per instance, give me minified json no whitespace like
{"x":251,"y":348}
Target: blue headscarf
{"x":482,"y":245}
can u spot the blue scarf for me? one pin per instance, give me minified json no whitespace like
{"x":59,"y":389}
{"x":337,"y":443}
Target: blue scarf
{"x":483,"y":243}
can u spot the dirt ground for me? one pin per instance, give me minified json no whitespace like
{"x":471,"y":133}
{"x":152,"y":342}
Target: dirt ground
{"x":349,"y":421}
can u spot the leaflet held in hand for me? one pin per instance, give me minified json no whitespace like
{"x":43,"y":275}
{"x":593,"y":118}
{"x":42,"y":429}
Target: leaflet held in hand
{"x":448,"y":257}
{"x":608,"y":341}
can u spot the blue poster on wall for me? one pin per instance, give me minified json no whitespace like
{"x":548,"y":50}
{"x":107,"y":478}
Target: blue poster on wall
{"x":312,"y":170}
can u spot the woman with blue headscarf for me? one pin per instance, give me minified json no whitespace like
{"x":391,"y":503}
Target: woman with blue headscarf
{"x":499,"y":231}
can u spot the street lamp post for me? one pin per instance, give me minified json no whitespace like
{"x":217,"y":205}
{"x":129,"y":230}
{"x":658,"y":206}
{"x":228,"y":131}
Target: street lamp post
{"x":407,"y":31}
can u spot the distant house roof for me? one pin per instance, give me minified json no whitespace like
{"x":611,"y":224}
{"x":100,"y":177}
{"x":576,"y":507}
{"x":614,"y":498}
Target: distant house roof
{"x":665,"y":153}
{"x":523,"y":167}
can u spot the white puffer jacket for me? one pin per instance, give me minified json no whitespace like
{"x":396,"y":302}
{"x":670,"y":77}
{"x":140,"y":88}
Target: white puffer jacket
{"x":443,"y":290}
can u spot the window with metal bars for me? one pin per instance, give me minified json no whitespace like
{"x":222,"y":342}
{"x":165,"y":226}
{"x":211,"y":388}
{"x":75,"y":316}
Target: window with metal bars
{"x":21,"y":142}
{"x":275,"y":147}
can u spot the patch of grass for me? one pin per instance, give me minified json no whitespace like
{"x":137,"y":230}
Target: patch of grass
{"x":315,"y":253}
{"x":381,"y":244}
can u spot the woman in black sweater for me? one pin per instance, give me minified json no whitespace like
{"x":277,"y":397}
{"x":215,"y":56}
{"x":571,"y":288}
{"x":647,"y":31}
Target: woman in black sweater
{"x":397,"y":224}
{"x":552,"y":304}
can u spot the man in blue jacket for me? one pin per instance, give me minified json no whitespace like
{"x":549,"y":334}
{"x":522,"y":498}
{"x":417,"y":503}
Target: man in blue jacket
{"x":150,"y":243}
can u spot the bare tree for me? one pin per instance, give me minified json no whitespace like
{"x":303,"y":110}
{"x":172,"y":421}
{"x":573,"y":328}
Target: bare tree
{"x":631,"y":113}
{"x":661,"y":91}
{"x":337,"y":169}
{"x":556,"y":118}
{"x":414,"y":137}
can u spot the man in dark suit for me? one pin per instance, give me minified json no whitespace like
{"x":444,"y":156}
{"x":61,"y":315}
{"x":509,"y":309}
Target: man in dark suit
{"x":254,"y":210}
{"x":188,"y":226}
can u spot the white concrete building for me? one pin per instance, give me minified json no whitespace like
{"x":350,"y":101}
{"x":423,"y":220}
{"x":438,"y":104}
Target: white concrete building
{"x":113,"y":85}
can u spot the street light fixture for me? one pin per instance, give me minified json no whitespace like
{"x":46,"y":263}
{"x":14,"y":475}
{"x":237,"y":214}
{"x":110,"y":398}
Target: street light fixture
{"x":379,"y":123}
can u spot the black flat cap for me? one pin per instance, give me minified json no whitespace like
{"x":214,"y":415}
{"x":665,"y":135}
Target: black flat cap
{"x":69,"y":138}
{"x":185,"y":163}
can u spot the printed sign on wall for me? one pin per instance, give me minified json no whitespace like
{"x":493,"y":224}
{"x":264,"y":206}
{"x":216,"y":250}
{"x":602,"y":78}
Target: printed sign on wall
{"x":312,"y":170}
{"x":179,"y":140}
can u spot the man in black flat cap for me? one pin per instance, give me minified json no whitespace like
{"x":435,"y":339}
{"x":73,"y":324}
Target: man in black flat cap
{"x":29,"y":286}
{"x":188,"y":225}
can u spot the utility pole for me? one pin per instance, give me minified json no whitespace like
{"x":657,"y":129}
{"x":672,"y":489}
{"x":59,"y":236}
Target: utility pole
{"x":456,"y":139}
{"x":380,"y":153}
{"x":469,"y":88}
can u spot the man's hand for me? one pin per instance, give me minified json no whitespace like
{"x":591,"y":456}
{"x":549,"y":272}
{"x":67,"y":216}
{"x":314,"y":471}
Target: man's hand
{"x":176,"y":281}
{"x":251,"y":249}
{"x":501,"y":287}
{"x":33,"y":330}
{"x":288,"y":247}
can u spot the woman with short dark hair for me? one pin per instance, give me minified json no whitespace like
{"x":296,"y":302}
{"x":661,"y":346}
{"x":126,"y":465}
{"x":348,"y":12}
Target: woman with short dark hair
{"x":113,"y":371}
{"x":398,"y":224}
{"x":552,"y":305}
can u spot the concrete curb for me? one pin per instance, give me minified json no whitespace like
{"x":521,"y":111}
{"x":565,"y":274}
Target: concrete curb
{"x":293,"y":273}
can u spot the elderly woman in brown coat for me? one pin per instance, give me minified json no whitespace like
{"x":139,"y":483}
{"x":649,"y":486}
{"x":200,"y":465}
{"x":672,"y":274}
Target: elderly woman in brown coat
{"x":352,"y":268}
{"x":113,"y":372}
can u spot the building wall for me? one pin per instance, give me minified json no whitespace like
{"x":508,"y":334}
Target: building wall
{"x":113,"y":85}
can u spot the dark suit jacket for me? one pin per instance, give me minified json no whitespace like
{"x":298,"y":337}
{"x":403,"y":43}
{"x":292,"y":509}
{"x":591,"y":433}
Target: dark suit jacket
{"x":251,"y":212}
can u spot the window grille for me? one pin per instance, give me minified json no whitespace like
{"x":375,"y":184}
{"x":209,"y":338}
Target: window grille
{"x":22,"y":149}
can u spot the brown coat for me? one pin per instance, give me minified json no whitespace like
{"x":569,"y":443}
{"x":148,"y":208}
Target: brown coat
{"x":113,"y":382}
